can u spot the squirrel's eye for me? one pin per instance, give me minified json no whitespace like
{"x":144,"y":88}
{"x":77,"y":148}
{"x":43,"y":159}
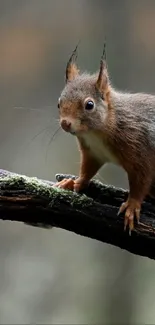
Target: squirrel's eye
{"x":58,"y":103}
{"x":89,"y":105}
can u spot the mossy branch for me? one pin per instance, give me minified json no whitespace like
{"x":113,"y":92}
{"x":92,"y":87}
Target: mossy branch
{"x":92,"y":213}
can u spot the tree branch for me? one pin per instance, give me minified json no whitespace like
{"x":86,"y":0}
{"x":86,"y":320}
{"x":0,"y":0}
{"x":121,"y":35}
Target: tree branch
{"x":92,"y":213}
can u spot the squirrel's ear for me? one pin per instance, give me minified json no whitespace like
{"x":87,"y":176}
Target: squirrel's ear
{"x":103,"y":80}
{"x":71,"y":68}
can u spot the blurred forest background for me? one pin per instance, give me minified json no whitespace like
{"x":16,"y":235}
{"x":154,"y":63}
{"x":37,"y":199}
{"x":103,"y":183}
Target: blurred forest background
{"x":53,"y":276}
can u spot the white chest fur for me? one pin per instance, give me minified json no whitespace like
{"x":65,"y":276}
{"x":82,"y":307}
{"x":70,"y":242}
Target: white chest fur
{"x":99,"y":149}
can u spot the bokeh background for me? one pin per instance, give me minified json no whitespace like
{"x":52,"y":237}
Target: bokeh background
{"x":54,"y":276}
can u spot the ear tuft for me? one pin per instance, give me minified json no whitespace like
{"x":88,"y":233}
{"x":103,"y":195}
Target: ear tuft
{"x":103,"y":80}
{"x":71,"y":69}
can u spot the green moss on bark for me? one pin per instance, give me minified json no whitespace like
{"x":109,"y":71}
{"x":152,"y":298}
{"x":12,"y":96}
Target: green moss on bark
{"x":34,"y":186}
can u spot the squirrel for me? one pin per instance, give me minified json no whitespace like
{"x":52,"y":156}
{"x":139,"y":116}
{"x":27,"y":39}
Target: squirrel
{"x":110,"y":126}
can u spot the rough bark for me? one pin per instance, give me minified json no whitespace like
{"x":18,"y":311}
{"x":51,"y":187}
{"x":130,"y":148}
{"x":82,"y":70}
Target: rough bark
{"x":92,"y":213}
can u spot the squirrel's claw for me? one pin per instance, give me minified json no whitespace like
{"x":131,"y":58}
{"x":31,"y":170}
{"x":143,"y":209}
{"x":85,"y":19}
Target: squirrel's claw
{"x":132,"y":208}
{"x":122,"y":207}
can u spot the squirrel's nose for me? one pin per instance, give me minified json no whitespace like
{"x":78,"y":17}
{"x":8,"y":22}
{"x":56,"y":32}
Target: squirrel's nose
{"x":66,"y":125}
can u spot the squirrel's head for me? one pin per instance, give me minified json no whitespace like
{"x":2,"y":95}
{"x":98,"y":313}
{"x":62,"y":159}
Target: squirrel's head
{"x":83,"y":104}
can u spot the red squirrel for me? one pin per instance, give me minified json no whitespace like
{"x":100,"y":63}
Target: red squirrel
{"x":110,"y":126}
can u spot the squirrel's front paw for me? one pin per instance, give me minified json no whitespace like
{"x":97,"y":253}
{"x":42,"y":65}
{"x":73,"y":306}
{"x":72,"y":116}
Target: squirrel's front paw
{"x":66,"y":184}
{"x":132,"y":208}
{"x":80,"y":184}
{"x":74,"y":185}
